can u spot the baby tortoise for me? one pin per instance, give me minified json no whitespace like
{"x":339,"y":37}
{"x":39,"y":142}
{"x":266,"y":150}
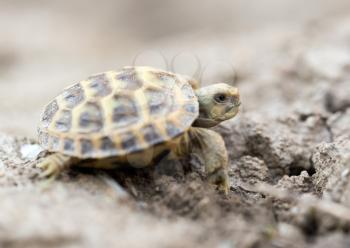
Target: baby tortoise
{"x":134,"y":116}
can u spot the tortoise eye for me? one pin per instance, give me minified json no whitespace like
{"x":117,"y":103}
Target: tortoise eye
{"x":220,"y":98}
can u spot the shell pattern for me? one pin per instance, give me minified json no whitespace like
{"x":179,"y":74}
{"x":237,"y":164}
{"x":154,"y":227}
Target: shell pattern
{"x":117,"y":113}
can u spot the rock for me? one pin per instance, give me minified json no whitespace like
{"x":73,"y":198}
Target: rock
{"x":30,"y":151}
{"x":15,"y":170}
{"x":313,"y":215}
{"x":249,"y":169}
{"x":337,"y":98}
{"x":319,"y":217}
{"x":339,"y":123}
{"x":297,"y":184}
{"x":285,"y":145}
{"x":332,"y":164}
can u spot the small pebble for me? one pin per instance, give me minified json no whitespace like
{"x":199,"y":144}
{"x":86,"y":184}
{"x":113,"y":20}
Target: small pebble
{"x":345,"y":173}
{"x":30,"y":151}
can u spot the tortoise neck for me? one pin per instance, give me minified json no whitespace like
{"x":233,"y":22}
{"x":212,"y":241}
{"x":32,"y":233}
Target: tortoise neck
{"x":205,"y":106}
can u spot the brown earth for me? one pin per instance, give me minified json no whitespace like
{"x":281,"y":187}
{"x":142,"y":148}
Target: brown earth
{"x":289,"y":158}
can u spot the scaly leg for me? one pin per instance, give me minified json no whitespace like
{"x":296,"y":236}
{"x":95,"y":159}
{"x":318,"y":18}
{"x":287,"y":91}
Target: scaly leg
{"x":210,"y":146}
{"x":54,"y":164}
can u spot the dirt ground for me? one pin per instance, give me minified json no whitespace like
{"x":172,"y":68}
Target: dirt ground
{"x":289,"y":147}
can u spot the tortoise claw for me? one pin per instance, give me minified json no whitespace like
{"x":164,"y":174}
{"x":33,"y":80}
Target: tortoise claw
{"x":220,"y":179}
{"x":53,"y":165}
{"x":49,"y":173}
{"x":50,"y":169}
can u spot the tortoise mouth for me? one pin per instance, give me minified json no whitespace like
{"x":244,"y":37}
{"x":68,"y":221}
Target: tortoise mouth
{"x":234,"y":106}
{"x":232,"y":111}
{"x":202,"y":121}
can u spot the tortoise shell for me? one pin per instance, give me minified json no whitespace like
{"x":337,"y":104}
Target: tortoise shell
{"x":116,"y":113}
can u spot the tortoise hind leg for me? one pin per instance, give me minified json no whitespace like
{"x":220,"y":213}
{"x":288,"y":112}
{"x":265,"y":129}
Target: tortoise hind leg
{"x":53,"y":164}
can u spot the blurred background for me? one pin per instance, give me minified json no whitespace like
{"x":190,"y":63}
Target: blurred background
{"x":47,"y":45}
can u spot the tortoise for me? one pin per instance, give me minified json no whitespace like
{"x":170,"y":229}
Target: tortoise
{"x":135,"y":116}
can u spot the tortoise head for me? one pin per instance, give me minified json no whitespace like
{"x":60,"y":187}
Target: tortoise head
{"x":217,"y":103}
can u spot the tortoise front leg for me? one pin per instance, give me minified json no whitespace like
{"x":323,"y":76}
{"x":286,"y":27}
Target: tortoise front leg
{"x":210,"y":146}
